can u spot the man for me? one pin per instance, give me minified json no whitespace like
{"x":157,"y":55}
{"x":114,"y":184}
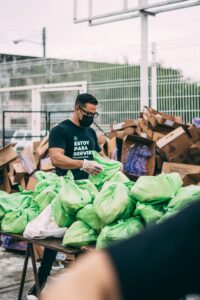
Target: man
{"x":70,"y":147}
{"x":160,"y":263}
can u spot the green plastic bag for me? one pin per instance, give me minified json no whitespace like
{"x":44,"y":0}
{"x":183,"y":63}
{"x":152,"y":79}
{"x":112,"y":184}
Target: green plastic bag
{"x":41,"y":175}
{"x":79,"y":234}
{"x":110,"y":167}
{"x":45,"y":197}
{"x":15,"y":221}
{"x":89,"y":216}
{"x":115,"y":232}
{"x":119,"y":177}
{"x":148,"y":213}
{"x":156,"y":189}
{"x":87,"y":185}
{"x":184,"y":197}
{"x":71,"y":195}
{"x":2,"y":213}
{"x":111,"y":202}
{"x":12,"y":202}
{"x":45,"y":179}
{"x":63,"y":218}
{"x":129,"y":209}
{"x":31,"y":213}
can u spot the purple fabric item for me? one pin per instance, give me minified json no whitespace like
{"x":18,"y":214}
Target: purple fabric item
{"x":8,"y":242}
{"x":135,"y":162}
{"x":196,"y":122}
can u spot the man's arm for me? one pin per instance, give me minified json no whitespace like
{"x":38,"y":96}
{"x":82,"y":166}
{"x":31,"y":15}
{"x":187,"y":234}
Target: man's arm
{"x":60,"y":160}
{"x":91,"y":278}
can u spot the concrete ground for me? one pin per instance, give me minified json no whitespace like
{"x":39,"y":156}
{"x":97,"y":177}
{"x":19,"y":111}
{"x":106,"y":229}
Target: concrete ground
{"x":11,"y":264}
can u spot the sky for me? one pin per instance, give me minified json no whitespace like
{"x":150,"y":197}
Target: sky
{"x":24,"y":19}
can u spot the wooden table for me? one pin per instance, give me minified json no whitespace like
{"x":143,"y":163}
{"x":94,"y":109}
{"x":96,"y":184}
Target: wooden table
{"x":51,"y":243}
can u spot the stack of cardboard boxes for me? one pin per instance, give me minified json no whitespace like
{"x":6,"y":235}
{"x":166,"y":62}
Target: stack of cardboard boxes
{"x":175,"y":146}
{"x":20,"y":169}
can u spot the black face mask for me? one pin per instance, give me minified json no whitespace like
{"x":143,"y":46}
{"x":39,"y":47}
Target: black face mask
{"x":86,"y":121}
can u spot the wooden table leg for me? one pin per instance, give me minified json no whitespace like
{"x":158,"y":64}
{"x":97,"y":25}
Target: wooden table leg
{"x":32,"y":255}
{"x":24,"y":272}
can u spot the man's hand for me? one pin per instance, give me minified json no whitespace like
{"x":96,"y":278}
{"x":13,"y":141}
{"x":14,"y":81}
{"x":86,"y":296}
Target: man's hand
{"x":91,"y":278}
{"x":91,"y":167}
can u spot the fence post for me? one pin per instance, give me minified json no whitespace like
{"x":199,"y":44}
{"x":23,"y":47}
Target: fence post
{"x":153,"y":77}
{"x":144,"y":83}
{"x":36,"y":117}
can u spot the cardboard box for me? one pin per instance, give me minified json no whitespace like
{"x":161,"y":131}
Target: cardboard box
{"x":18,"y":172}
{"x":114,"y":148}
{"x":145,"y":129}
{"x":195,"y":148}
{"x":46,"y":164}
{"x":175,"y":146}
{"x":36,"y":144}
{"x":156,"y":118}
{"x":43,"y":147}
{"x":195,"y":133}
{"x":125,"y":124}
{"x":134,"y":139}
{"x":28,"y":160}
{"x":121,"y":134}
{"x":196,"y":158}
{"x":157,"y":136}
{"x":7,"y":154}
{"x":32,"y":181}
{"x":191,"y":179}
{"x":182,"y":169}
{"x":102,"y":139}
{"x":23,"y":183}
{"x":6,"y":181}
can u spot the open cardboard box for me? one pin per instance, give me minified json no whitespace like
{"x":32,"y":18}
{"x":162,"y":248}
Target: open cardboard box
{"x":195,"y":133}
{"x":114,"y":148}
{"x":123,"y":125}
{"x":134,"y":139}
{"x":28,"y":160}
{"x":195,"y":148}
{"x":121,"y":134}
{"x":175,"y":146}
{"x":32,"y":181}
{"x":156,"y":118}
{"x":182,"y":169}
{"x":7,"y":154}
{"x":191,"y":179}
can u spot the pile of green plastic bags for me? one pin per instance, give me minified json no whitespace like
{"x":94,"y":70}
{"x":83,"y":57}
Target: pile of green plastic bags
{"x":99,"y":210}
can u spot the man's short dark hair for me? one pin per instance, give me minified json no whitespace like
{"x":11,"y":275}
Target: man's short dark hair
{"x":83,"y":99}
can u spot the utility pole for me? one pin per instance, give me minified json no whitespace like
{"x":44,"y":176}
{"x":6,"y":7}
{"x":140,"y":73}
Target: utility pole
{"x":44,"y":41}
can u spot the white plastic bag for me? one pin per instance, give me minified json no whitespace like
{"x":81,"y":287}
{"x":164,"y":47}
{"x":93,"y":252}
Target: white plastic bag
{"x":44,"y":226}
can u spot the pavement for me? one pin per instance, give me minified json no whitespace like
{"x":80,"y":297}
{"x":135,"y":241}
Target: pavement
{"x":11,"y":265}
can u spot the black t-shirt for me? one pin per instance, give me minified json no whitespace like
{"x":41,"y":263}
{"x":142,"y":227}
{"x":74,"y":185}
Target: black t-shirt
{"x":77,"y":142}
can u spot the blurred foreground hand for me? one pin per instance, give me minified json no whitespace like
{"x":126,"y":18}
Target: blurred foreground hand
{"x":91,"y":278}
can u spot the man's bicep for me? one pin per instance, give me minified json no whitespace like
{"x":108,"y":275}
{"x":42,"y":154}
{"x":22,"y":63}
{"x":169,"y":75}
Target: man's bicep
{"x":57,"y":138}
{"x":55,"y":151}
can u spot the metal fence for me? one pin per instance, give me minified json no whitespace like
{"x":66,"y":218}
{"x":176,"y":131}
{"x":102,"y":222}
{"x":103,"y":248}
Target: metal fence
{"x":114,"y":78}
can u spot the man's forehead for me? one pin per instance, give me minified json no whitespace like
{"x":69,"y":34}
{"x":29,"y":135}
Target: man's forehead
{"x":90,"y":106}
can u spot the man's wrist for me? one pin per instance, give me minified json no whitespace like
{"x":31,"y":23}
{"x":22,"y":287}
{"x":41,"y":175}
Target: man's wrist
{"x":80,"y":164}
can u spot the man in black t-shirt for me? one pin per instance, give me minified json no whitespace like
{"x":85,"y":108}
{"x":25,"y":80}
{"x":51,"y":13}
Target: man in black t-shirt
{"x":70,"y":147}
